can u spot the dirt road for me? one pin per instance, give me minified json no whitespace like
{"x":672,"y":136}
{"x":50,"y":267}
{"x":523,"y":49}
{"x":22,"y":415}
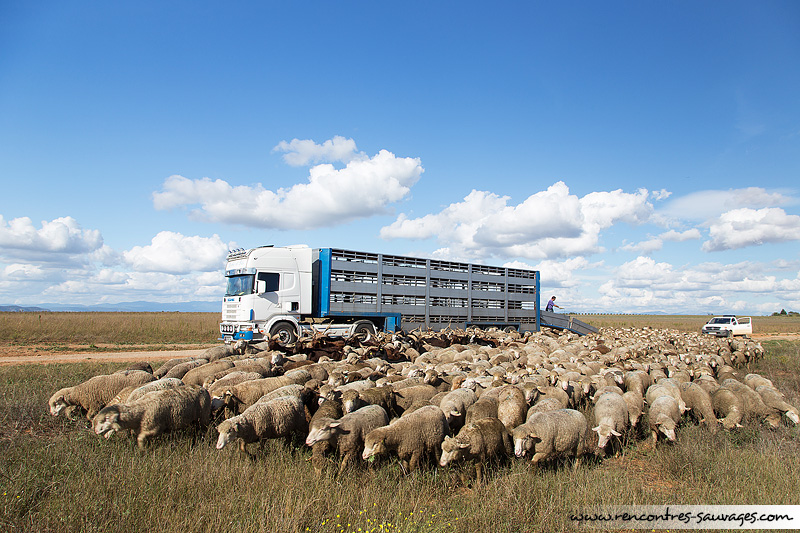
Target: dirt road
{"x":89,"y":357}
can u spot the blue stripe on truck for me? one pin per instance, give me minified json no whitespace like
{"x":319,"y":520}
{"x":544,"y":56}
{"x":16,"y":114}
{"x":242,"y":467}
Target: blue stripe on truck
{"x":324,"y":281}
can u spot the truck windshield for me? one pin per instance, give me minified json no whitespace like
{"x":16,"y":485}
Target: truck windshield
{"x":239,"y":285}
{"x":720,"y":321}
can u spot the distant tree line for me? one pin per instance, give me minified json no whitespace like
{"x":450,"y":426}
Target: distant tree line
{"x":784,"y":313}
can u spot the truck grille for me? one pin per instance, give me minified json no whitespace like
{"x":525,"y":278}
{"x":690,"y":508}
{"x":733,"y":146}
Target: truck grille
{"x":229,"y":312}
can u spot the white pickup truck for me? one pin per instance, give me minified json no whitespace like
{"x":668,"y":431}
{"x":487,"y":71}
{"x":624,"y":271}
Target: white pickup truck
{"x":729,"y":326}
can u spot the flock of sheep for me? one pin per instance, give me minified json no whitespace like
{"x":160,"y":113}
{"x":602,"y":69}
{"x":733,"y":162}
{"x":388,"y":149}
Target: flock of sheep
{"x":458,"y":396}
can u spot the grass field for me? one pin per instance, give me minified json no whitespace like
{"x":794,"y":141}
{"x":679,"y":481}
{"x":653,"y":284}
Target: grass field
{"x":57,"y":476}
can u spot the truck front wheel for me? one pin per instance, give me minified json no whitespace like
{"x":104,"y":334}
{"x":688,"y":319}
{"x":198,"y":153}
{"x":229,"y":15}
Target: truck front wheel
{"x":364,"y":330}
{"x":284,"y":332}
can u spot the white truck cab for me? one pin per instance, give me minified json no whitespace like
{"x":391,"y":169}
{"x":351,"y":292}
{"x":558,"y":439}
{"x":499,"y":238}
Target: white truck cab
{"x":729,"y":326}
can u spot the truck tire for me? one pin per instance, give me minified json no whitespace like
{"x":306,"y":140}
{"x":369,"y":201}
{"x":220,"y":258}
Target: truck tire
{"x":364,"y":330}
{"x":285,"y":332}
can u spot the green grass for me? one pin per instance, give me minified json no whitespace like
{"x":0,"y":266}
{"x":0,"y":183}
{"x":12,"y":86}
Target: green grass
{"x":57,"y":476}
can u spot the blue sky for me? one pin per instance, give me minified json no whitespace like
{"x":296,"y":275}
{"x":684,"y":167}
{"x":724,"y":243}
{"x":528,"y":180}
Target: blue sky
{"x":644,"y":156}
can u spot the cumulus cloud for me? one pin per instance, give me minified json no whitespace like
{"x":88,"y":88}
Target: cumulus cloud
{"x":175,"y":253}
{"x":549,"y":224}
{"x":365,"y":186}
{"x":749,"y":227}
{"x":19,"y":237}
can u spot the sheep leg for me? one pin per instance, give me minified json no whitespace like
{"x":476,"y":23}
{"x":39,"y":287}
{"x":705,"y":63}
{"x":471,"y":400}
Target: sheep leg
{"x":478,"y":473}
{"x":414,"y":462}
{"x":345,"y":461}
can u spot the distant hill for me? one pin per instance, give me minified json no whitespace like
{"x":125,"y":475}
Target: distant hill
{"x":134,"y":307}
{"x":20,"y":309}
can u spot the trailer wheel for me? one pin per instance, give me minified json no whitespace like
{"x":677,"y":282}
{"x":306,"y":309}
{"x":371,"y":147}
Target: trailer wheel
{"x":285,"y":332}
{"x":364,"y":330}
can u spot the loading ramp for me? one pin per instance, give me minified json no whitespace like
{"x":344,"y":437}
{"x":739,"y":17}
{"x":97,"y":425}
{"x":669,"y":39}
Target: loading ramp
{"x":564,"y":321}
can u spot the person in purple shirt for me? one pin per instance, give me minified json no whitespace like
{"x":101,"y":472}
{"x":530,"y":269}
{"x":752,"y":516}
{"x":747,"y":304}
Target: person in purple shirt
{"x":551,"y":304}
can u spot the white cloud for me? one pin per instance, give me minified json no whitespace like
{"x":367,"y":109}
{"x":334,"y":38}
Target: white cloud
{"x":364,"y":187}
{"x":24,"y":272}
{"x":20,"y":238}
{"x":703,"y":205}
{"x":304,"y":152}
{"x":175,"y":253}
{"x":749,"y":227}
{"x":549,"y":224}
{"x":656,"y":243}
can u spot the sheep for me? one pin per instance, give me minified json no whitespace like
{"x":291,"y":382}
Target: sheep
{"x":754,"y":381}
{"x":550,"y":434}
{"x":226,"y":350}
{"x":383,"y":396}
{"x":412,"y":437}
{"x":728,"y":405}
{"x":775,"y":400}
{"x":699,"y":402}
{"x":753,"y":405}
{"x":555,"y":392}
{"x":635,"y":403}
{"x":612,"y":418}
{"x":281,"y":417}
{"x":198,"y":375}
{"x":132,"y":392}
{"x":417,"y":394}
{"x":243,"y":395}
{"x":513,"y":408}
{"x":179,"y":370}
{"x":636,"y":380}
{"x":95,"y":393}
{"x":155,"y":413}
{"x":331,"y":410}
{"x":166,"y":366}
{"x":347,"y":433}
{"x":545,"y":404}
{"x":485,"y":407}
{"x":478,"y":442}
{"x":665,"y":388}
{"x":663,"y":416}
{"x":455,"y":404}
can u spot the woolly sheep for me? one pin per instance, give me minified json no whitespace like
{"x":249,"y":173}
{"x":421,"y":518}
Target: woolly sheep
{"x":728,"y":405}
{"x":699,"y":402}
{"x":132,"y":393}
{"x":775,"y":400}
{"x":353,"y":400}
{"x":663,"y":416}
{"x":554,"y":392}
{"x":408,"y":396}
{"x":455,"y":404}
{"x":550,"y":434}
{"x":281,"y":417}
{"x":95,"y":393}
{"x":198,"y":375}
{"x":753,"y":405}
{"x":545,"y":404}
{"x":245,"y":394}
{"x":155,"y":413}
{"x":635,"y":403}
{"x":226,"y":350}
{"x":478,"y":442}
{"x":485,"y":407}
{"x":347,"y":433}
{"x":330,"y":410}
{"x":513,"y":408}
{"x":412,"y":437}
{"x":611,"y":417}
{"x":179,"y":370}
{"x":665,"y":388}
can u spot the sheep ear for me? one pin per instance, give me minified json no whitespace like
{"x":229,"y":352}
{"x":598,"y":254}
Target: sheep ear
{"x":597,"y":429}
{"x":462,"y":445}
{"x":334,"y":424}
{"x":616,"y":433}
{"x":455,"y":412}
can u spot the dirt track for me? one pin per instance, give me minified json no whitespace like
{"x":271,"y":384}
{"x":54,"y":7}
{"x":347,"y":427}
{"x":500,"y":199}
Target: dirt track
{"x":88,"y":357}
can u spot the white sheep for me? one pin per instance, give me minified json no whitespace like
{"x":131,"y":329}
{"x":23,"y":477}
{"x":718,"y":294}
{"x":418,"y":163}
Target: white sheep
{"x":611,"y":416}
{"x":282,"y":417}
{"x":155,"y":413}
{"x":347,"y":433}
{"x":663,"y":417}
{"x":95,"y":393}
{"x":478,"y":442}
{"x":411,"y":437}
{"x":549,"y":434}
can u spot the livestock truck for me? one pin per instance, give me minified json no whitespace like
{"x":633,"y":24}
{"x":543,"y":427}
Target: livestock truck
{"x":284,"y":292}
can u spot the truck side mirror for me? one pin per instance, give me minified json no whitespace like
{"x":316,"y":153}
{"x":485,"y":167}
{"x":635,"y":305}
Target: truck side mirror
{"x":261,"y":287}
